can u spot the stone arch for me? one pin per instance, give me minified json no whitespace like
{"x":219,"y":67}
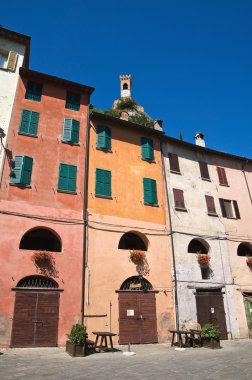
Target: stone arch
{"x":136,"y":283}
{"x":244,"y":249}
{"x":133,"y":240}
{"x":198,"y":246}
{"x":41,"y":238}
{"x":37,"y":281}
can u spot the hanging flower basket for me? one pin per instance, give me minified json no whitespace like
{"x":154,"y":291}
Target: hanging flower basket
{"x":42,"y":258}
{"x":203,"y":259}
{"x":137,"y":257}
{"x":249,"y":262}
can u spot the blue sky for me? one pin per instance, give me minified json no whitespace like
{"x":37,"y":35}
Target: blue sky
{"x":191,"y":60}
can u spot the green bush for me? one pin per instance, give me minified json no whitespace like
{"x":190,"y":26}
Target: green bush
{"x":141,"y":119}
{"x":77,"y":334}
{"x":210,"y":331}
{"x":126,"y":104}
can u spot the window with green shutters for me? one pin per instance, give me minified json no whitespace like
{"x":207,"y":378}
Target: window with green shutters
{"x":147,"y":149}
{"x":150,"y":191}
{"x":67,"y":178}
{"x":33,"y":91}
{"x":103,"y":139}
{"x":21,"y":170}
{"x":29,"y":123}
{"x":73,"y":101}
{"x":71,"y":129}
{"x":103,"y":183}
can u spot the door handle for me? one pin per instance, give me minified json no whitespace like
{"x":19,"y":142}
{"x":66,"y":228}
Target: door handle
{"x":141,"y":318}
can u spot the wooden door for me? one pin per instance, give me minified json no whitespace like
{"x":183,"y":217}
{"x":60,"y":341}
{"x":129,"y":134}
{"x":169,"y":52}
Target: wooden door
{"x":248,"y":310}
{"x":35,"y":320}
{"x":137,"y":317}
{"x":210,"y":309}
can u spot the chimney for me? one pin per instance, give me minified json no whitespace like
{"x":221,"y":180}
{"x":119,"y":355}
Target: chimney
{"x":199,"y":139}
{"x":158,"y":124}
{"x":124,"y":115}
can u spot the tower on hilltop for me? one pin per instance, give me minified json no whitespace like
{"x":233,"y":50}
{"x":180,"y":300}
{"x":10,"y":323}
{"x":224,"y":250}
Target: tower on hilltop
{"x":125,"y":85}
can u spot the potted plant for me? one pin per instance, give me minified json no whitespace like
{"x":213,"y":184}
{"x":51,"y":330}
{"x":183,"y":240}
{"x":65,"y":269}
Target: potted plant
{"x":203,"y":259}
{"x":75,"y":345}
{"x":249,"y":262}
{"x":211,"y":336}
{"x":137,"y":257}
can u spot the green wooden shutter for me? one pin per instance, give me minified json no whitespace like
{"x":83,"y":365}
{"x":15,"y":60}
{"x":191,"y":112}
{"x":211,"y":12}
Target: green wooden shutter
{"x":16,"y":171}
{"x":26,"y":172}
{"x":67,"y":177}
{"x":34,"y":91}
{"x":73,"y":101}
{"x":75,"y":131}
{"x":103,"y":183}
{"x":67,"y":130}
{"x":29,"y":122}
{"x":147,"y":149}
{"x":150,"y":191}
{"x":103,"y":140}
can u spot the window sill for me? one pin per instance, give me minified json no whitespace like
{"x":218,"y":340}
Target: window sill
{"x":230,"y":217}
{"x":105,"y":150}
{"x":223,"y":184}
{"x":28,"y":134}
{"x":103,"y":196}
{"x":5,"y":69}
{"x":175,"y":172}
{"x":212,"y":214}
{"x":151,"y":204}
{"x":148,"y":160}
{"x":20,"y":185}
{"x":72,"y":109}
{"x":33,"y":100}
{"x":67,"y":192}
{"x":206,"y":179}
{"x":181,"y":209}
{"x":70,"y":143}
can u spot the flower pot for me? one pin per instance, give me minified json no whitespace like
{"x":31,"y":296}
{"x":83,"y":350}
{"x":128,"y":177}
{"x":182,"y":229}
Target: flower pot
{"x":75,"y":350}
{"x":212,"y":343}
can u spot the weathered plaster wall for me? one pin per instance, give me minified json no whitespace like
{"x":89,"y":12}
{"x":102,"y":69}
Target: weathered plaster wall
{"x":196,"y":223}
{"x":8,"y":80}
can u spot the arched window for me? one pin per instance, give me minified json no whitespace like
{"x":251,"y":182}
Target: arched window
{"x":37,"y":282}
{"x":131,"y":240}
{"x":136,"y":283}
{"x":125,"y":86}
{"x":244,"y":249}
{"x":41,"y":238}
{"x":198,"y":246}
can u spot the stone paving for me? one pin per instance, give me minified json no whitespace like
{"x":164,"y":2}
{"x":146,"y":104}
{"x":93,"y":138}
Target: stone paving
{"x":159,"y":362}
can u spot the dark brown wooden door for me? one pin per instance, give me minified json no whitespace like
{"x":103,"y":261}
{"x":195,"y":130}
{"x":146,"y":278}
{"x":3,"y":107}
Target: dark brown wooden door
{"x":35,"y":321}
{"x":210,"y":309}
{"x":137,"y":317}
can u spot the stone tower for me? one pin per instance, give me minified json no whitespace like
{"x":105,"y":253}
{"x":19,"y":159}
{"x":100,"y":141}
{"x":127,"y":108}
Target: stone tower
{"x":125,"y":86}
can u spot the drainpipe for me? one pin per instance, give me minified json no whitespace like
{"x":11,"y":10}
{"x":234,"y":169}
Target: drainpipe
{"x":172,"y":241}
{"x":243,"y":167}
{"x":85,"y":216}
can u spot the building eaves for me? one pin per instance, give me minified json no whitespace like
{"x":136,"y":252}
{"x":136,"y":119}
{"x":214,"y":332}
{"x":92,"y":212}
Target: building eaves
{"x":123,"y":123}
{"x":14,"y":36}
{"x":31,"y":74}
{"x":205,"y":150}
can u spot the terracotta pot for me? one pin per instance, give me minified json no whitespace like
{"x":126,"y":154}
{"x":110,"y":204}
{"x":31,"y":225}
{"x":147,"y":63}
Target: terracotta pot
{"x":212,"y":343}
{"x":75,"y":350}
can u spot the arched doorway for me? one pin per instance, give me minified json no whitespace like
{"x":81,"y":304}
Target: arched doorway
{"x":137,"y":311}
{"x":36,"y":313}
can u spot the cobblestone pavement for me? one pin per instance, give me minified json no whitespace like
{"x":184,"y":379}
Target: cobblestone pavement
{"x":159,"y":362}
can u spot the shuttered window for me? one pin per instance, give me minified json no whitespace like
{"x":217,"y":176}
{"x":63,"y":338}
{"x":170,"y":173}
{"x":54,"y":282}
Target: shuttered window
{"x":150,"y":191}
{"x":71,"y":129}
{"x":174,"y":163}
{"x":73,"y":101}
{"x":147,"y":149}
{"x":179,"y":199}
{"x":103,"y":183}
{"x":210,"y":205}
{"x":21,"y":170}
{"x":103,"y":138}
{"x":229,"y":209}
{"x":204,"y":170}
{"x":12,"y":61}
{"x":29,"y":123}
{"x":67,"y":178}
{"x":222,"y":176}
{"x":33,"y":91}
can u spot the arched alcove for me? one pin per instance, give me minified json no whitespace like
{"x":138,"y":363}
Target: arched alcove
{"x":41,"y":239}
{"x":125,"y":86}
{"x":136,"y":283}
{"x":198,"y":246}
{"x":131,"y":240}
{"x":244,"y":249}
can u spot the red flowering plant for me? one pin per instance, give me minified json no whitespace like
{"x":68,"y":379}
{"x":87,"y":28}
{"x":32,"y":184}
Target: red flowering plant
{"x":203,"y":259}
{"x":249,"y":262}
{"x":45,"y":263}
{"x":139,"y":259}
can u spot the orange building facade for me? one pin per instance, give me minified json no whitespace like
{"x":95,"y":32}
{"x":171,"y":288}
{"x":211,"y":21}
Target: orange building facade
{"x":126,"y":213}
{"x":41,"y":206}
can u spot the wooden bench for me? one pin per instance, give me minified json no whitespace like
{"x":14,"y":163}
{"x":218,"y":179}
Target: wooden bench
{"x":89,"y":346}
